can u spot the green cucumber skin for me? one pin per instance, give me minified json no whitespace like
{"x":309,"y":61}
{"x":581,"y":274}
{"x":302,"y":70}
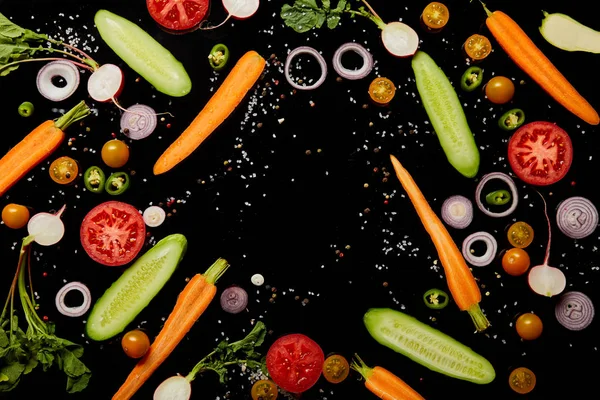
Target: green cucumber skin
{"x":446,"y":115}
{"x":173,"y":248}
{"x":143,"y":54}
{"x":388,"y":327}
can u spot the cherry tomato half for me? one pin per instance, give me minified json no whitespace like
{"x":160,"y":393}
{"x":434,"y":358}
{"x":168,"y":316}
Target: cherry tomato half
{"x":115,"y":153}
{"x":478,"y":47}
{"x":500,"y":90}
{"x":516,"y":261}
{"x":135,"y":343}
{"x":15,"y":216}
{"x":336,"y":368}
{"x":64,"y":170}
{"x":382,"y":90}
{"x":522,"y":380}
{"x":435,"y":15}
{"x":529,"y":326}
{"x":520,"y":234}
{"x":264,"y":390}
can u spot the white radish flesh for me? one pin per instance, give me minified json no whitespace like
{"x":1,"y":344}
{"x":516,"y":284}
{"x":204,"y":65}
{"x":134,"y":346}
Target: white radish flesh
{"x":547,"y":281}
{"x":106,"y":83}
{"x":400,"y":39}
{"x":45,"y":228}
{"x":173,"y":388}
{"x":241,"y":9}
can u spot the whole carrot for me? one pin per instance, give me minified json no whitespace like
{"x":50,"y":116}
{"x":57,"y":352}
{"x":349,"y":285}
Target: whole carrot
{"x":191,"y":303}
{"x":521,"y":49}
{"x":232,"y":91}
{"x":385,"y":384}
{"x":461,"y":282}
{"x":36,"y":147}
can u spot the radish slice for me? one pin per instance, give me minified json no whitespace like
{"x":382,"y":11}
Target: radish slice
{"x":73,"y":311}
{"x":46,"y":229}
{"x":547,"y":281}
{"x":173,"y":388}
{"x":53,"y":70}
{"x":400,"y":39}
{"x":241,"y":9}
{"x":154,"y":216}
{"x":106,"y":83}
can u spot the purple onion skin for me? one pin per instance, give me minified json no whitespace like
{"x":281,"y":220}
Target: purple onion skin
{"x":447,"y":216}
{"x":234,"y":300}
{"x":577,"y":217}
{"x":574,"y":311}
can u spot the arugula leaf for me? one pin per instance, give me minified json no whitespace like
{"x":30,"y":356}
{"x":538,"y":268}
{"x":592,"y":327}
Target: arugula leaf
{"x":78,"y":384}
{"x":305,"y":15}
{"x":10,"y":30}
{"x":333,"y":18}
{"x":13,"y":371}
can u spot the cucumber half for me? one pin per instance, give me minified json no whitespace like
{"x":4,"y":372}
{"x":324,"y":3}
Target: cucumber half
{"x":564,"y":32}
{"x":135,"y":288}
{"x":427,"y":346}
{"x":143,"y":54}
{"x":446,"y":115}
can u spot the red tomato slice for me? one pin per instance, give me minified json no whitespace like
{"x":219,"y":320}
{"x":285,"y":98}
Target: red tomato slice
{"x":295,"y":362}
{"x":113,"y":233}
{"x":178,"y":15}
{"x":540,"y":153}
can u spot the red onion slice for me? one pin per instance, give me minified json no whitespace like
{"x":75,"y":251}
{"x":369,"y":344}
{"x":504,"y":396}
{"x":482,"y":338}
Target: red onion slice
{"x":457,"y":211}
{"x":490,"y":251}
{"x":73,"y":311}
{"x":138,"y":122}
{"x":64,"y":69}
{"x":513,"y":191}
{"x":305,"y":50}
{"x":574,"y":311}
{"x":234,"y":299}
{"x":360,"y":73}
{"x":577,"y":217}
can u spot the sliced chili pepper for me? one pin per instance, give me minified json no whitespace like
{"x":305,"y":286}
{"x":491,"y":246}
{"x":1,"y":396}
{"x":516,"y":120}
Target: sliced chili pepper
{"x":436,"y":299}
{"x":93,"y":179}
{"x":498,"y":197}
{"x":218,"y":56}
{"x":511,"y":119}
{"x":471,"y":79}
{"x":117,"y":183}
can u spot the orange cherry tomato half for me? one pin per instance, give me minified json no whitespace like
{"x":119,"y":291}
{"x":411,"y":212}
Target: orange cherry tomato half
{"x":520,"y":234}
{"x":15,"y":216}
{"x":500,"y":90}
{"x":135,"y":343}
{"x":64,"y":170}
{"x":478,"y":47}
{"x":336,"y":368}
{"x":115,"y":153}
{"x":529,"y":326}
{"x":382,"y":90}
{"x":264,"y":390}
{"x":522,"y":380}
{"x":435,"y":15}
{"x":516,"y":261}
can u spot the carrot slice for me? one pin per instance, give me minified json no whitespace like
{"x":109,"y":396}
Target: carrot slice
{"x":461,"y":282}
{"x":232,"y":91}
{"x":191,"y":303}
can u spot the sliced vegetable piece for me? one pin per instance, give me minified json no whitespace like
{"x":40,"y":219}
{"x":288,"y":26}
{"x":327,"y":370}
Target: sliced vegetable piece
{"x":498,"y":197}
{"x":577,"y":217}
{"x":529,"y":326}
{"x":520,"y":234}
{"x":264,"y":389}
{"x":436,"y":299}
{"x":511,"y":120}
{"x":218,"y":56}
{"x":58,"y":80}
{"x":154,"y":216}
{"x":471,"y":79}
{"x":457,"y":211}
{"x":336,"y":368}
{"x":491,"y":247}
{"x":382,"y":91}
{"x":106,"y":83}
{"x":522,"y":380}
{"x":63,"y":170}
{"x":174,"y":388}
{"x":477,"y":47}
{"x":138,"y":122}
{"x":234,"y":300}
{"x":346,"y":73}
{"x":94,"y":179}
{"x":76,"y":311}
{"x":427,"y":346}
{"x":288,"y":66}
{"x":399,"y":39}
{"x":26,"y":109}
{"x":46,"y":229}
{"x":575,"y":311}
{"x":435,"y":16}
{"x":241,"y":9}
{"x":117,"y":183}
{"x":513,"y":190}
{"x":567,"y":34}
{"x":178,"y":16}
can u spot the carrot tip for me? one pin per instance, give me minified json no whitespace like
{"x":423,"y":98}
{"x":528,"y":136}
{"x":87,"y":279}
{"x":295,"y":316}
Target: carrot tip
{"x":361,"y":367}
{"x":479,"y":319}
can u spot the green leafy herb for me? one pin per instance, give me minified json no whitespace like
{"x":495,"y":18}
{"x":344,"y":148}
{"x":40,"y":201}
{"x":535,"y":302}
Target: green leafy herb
{"x":22,"y":352}
{"x":240,"y":352}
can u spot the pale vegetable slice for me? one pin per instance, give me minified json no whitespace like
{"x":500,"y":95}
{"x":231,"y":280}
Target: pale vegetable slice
{"x":46,"y":229}
{"x":173,"y":388}
{"x":567,"y":34}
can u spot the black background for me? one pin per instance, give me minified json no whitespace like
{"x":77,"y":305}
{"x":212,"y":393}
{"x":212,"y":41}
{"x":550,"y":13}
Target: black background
{"x":303,"y":207}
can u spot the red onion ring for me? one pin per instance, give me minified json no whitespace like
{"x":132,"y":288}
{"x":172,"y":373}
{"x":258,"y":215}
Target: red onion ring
{"x":234,"y":299}
{"x":457,"y":211}
{"x":490,"y":251}
{"x":73,"y":311}
{"x":360,"y":73}
{"x":513,"y":191}
{"x":138,"y":122}
{"x":66,"y":70}
{"x":574,"y":311}
{"x":577,"y":217}
{"x":305,"y":50}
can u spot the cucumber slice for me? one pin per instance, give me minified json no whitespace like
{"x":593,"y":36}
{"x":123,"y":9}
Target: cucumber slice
{"x":446,"y":115}
{"x":427,"y":346}
{"x":132,"y":292}
{"x":564,"y":32}
{"x":143,"y":54}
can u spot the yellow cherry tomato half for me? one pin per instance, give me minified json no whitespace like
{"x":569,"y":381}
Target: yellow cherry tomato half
{"x":64,"y":170}
{"x":382,"y":90}
{"x":135,"y":343}
{"x":500,"y":90}
{"x":435,"y":15}
{"x":115,"y":153}
{"x":336,"y":368}
{"x":478,"y":47}
{"x":520,"y":234}
{"x":15,"y":216}
{"x":264,"y":390}
{"x":529,"y":326}
{"x":522,"y":380}
{"x":516,"y":261}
